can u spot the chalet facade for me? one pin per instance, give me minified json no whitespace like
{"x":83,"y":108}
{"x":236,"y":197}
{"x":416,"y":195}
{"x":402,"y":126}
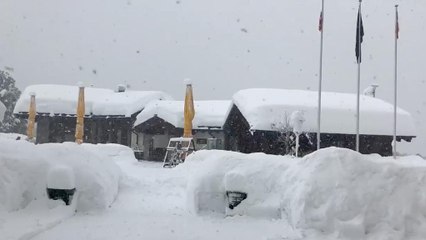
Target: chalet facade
{"x":162,"y":120}
{"x":258,"y":121}
{"x":109,"y":114}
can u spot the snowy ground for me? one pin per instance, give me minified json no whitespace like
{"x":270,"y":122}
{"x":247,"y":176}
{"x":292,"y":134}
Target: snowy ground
{"x":331,"y":194}
{"x":151,"y":205}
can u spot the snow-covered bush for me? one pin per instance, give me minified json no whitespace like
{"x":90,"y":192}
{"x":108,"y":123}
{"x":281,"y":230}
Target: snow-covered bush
{"x":9,"y":94}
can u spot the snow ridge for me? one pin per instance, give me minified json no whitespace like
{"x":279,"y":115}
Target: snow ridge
{"x":334,"y":192}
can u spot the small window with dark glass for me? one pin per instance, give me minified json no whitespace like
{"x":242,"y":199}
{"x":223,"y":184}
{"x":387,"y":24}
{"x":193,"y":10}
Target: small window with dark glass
{"x":201,"y":140}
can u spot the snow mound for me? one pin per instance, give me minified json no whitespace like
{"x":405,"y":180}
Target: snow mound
{"x":212,"y":173}
{"x":24,"y":173}
{"x":114,"y":151}
{"x":61,"y":177}
{"x":333,"y":191}
{"x":13,"y":136}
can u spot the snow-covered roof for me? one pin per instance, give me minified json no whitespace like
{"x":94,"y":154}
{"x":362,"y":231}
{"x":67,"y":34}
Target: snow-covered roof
{"x":2,"y":111}
{"x":264,"y":109}
{"x":62,"y":99}
{"x":209,"y":113}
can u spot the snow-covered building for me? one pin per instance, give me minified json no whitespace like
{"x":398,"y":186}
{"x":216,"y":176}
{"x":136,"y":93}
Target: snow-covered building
{"x":109,"y":114}
{"x":161,"y":120}
{"x":259,"y":121}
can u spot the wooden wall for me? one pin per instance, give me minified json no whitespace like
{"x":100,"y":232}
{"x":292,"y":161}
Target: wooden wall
{"x":96,"y":130}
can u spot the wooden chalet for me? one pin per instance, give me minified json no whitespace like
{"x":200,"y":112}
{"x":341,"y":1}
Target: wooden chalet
{"x":258,"y":121}
{"x":162,"y":120}
{"x":109,"y":114}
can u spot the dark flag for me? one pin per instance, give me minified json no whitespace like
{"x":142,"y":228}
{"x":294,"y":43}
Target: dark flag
{"x":321,"y":19}
{"x":397,"y":26}
{"x":359,"y":36}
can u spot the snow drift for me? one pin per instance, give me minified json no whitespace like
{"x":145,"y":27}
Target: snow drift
{"x":333,"y":191}
{"x":24,"y":170}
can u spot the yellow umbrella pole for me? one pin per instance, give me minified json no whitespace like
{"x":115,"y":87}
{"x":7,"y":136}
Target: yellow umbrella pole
{"x":189,"y":111}
{"x":31,"y":118}
{"x":79,"y":129}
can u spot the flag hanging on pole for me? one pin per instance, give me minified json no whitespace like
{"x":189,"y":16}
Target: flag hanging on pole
{"x":359,"y":35}
{"x":321,"y":29}
{"x":396,"y":82}
{"x":397,"y":26}
{"x":359,"y":38}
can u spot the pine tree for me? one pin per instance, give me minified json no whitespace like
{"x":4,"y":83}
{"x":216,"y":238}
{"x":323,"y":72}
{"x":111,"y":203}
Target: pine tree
{"x":9,"y":94}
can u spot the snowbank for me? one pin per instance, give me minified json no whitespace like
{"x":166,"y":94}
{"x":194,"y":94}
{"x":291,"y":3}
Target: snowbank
{"x":62,"y":99}
{"x":340,"y":108}
{"x":333,"y":191}
{"x":211,"y":113}
{"x":13,"y":136}
{"x":24,"y":171}
{"x":212,"y":173}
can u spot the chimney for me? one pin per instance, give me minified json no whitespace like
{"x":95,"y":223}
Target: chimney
{"x":120,"y":88}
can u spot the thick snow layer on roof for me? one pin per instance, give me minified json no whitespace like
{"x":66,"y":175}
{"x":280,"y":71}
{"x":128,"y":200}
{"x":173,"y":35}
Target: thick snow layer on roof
{"x":264,"y":109}
{"x":62,"y":99}
{"x":335,"y":192}
{"x":207,"y":113}
{"x":2,"y":111}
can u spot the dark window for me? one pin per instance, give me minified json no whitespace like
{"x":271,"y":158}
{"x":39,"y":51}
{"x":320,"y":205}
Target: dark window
{"x":201,"y":140}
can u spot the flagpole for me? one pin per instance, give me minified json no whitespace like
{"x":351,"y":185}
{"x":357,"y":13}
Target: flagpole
{"x":359,"y":76}
{"x":396,"y":81}
{"x":320,"y":77}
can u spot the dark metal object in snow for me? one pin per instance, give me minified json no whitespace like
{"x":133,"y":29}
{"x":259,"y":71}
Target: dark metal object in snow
{"x":235,"y":198}
{"x":177,"y":151}
{"x":64,"y":194}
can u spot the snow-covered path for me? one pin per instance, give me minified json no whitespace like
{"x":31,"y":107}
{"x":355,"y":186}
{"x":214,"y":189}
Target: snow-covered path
{"x":151,"y":205}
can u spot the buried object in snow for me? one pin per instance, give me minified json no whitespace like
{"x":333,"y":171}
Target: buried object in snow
{"x":235,"y":198}
{"x":177,"y":151}
{"x":65,"y":195}
{"x":61,"y":184}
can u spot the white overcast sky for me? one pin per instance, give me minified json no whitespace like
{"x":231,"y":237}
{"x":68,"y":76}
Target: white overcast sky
{"x":222,"y":45}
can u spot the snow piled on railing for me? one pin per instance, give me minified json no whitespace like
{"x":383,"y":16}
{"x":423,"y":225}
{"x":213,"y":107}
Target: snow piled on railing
{"x":335,"y":192}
